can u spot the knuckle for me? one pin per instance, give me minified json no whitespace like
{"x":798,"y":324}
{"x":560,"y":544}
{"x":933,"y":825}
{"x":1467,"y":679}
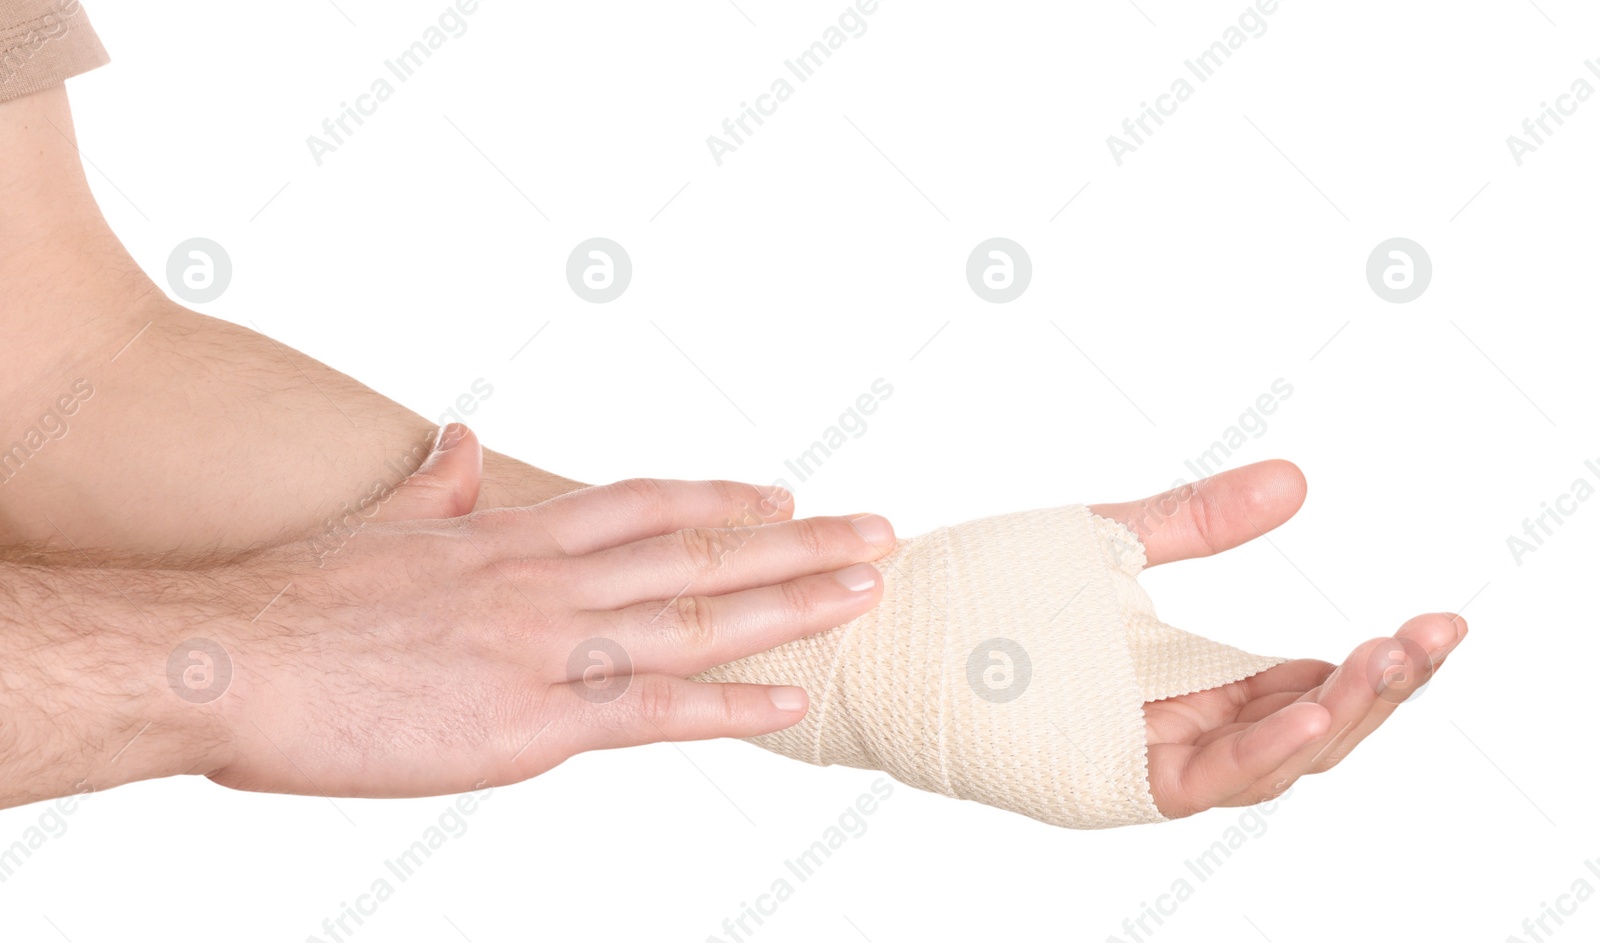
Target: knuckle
{"x":798,"y":602}
{"x":1204,"y":515}
{"x":733,"y":709}
{"x":692,"y":616}
{"x":702,"y":547}
{"x":654,"y":700}
{"x":647,"y":496}
{"x":812,"y":539}
{"x":642,"y":490}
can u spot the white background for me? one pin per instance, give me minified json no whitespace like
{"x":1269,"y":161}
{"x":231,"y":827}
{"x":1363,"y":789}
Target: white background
{"x":1227,"y":252}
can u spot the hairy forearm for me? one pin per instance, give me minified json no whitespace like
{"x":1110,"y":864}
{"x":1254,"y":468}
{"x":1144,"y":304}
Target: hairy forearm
{"x":84,"y":697}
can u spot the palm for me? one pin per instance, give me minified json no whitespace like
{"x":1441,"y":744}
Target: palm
{"x":1246,"y":742}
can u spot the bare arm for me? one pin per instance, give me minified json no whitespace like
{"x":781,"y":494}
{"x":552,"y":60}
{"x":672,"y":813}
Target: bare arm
{"x":529,"y":635}
{"x":79,"y":654}
{"x":134,"y":424}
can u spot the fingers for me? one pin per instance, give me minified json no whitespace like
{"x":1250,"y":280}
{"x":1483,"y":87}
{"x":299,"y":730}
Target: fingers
{"x":1297,"y":677}
{"x":1362,"y":693}
{"x":1213,"y":514}
{"x":1186,"y":779}
{"x":1395,"y":672}
{"x":701,"y":561}
{"x":445,"y":485}
{"x":604,"y":516}
{"x":690,"y":634}
{"x":649,"y":708}
{"x":1280,"y":685}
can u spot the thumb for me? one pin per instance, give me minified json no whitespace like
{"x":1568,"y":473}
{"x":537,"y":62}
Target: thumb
{"x":445,"y":485}
{"x":1213,"y":514}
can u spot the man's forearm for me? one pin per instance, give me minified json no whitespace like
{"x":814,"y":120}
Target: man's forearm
{"x":84,"y":697}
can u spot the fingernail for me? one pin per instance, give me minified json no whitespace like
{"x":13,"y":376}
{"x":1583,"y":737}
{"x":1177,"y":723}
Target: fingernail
{"x":788,"y":698}
{"x":450,"y":436}
{"x":874,"y":529}
{"x":857,"y":578}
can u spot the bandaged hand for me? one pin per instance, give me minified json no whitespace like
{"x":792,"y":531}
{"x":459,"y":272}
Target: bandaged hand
{"x":1017,"y":662}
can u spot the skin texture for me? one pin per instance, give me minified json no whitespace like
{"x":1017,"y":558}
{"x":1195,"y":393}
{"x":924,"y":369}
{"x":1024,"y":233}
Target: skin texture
{"x":430,"y":656}
{"x":475,"y":667}
{"x":406,"y":635}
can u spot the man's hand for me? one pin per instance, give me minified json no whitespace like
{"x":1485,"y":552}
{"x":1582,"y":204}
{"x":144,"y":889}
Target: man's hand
{"x":429,"y":656}
{"x":426,"y":656}
{"x":1249,"y":741}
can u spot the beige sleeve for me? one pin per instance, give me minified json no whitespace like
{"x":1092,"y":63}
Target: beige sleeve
{"x":1008,"y":663}
{"x":43,"y":43}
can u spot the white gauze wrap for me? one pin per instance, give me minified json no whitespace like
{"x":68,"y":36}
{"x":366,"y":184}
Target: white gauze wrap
{"x":1008,"y":663}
